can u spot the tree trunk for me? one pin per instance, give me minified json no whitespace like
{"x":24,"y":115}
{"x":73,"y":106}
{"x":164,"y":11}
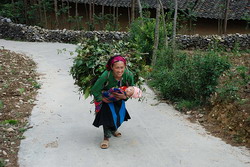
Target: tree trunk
{"x":220,"y":26}
{"x":56,"y":12}
{"x":140,"y":8}
{"x":62,"y":16}
{"x":103,"y":10}
{"x":129,"y":17}
{"x":90,"y":12}
{"x":93,"y":14}
{"x":164,"y":24}
{"x":226,"y":16}
{"x":117,"y":18}
{"x":14,"y":9}
{"x":132,"y":10}
{"x":25,"y":11}
{"x":175,"y":22}
{"x":114,"y":19}
{"x":156,"y":39}
{"x":40,"y":11}
{"x":45,"y":15}
{"x":86,"y":10}
{"x":76,"y":10}
{"x":68,"y":8}
{"x":76,"y":15}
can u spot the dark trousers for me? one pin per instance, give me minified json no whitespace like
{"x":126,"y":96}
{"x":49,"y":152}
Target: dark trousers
{"x":108,"y":131}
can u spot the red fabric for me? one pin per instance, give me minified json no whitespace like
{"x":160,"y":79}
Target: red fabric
{"x":123,"y":88}
{"x":114,"y":60}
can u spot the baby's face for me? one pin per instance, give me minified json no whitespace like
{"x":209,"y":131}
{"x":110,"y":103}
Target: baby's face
{"x":130,"y":91}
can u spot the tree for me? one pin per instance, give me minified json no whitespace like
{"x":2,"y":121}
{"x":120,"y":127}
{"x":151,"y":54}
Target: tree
{"x":132,"y":10}
{"x":140,"y":8}
{"x":40,"y":10}
{"x":164,"y":24}
{"x":156,"y":39}
{"x":226,"y":16}
{"x":25,"y":11}
{"x":56,"y":12}
{"x":175,"y":21}
{"x":45,"y":13}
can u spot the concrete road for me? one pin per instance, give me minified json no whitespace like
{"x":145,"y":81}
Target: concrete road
{"x":63,"y":135}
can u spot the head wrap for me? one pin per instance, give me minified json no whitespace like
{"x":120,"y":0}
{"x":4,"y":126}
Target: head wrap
{"x":113,"y":60}
{"x":137,"y":93}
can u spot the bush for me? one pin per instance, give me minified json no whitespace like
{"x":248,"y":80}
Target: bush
{"x":92,"y":57}
{"x":179,"y":76}
{"x":142,"y":35}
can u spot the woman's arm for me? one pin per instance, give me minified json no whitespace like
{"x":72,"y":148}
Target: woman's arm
{"x":120,"y":96}
{"x":96,"y":90}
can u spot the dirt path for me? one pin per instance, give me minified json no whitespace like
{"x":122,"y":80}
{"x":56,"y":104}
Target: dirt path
{"x":63,"y":135}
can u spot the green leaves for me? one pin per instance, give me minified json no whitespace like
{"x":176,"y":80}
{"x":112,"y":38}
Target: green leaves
{"x":92,"y":56}
{"x":187,"y":78}
{"x":11,"y":122}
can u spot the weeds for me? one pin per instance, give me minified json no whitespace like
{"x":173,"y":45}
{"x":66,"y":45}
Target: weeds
{"x":1,"y":105}
{"x":232,"y":83}
{"x":2,"y":162}
{"x":10,"y":122}
{"x":21,"y":90}
{"x":35,"y":84}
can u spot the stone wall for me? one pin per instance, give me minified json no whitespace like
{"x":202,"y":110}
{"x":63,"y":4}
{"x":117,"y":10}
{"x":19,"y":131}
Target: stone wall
{"x":10,"y":30}
{"x":229,"y":41}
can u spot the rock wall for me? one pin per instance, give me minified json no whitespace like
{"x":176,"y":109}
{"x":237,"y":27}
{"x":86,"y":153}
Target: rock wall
{"x":10,"y":30}
{"x":229,"y":41}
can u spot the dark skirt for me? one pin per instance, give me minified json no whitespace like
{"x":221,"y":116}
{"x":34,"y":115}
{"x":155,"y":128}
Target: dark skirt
{"x":111,"y":114}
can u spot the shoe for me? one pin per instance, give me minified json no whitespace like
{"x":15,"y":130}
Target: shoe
{"x":117,"y":134}
{"x":104,"y":144}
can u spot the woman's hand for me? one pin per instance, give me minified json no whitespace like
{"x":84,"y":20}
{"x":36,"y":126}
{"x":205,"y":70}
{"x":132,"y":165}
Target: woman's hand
{"x":105,"y":100}
{"x":119,"y":96}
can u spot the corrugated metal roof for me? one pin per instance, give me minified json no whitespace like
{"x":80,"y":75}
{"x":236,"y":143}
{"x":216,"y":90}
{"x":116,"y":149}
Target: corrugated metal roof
{"x":203,"y":8}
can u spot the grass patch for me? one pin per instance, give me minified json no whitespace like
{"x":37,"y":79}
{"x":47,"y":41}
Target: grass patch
{"x":11,"y":122}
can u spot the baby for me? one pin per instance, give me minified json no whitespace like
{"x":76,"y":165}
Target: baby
{"x":130,"y":91}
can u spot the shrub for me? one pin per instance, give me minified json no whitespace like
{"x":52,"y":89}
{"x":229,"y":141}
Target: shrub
{"x":179,"y":76}
{"x":142,"y":35}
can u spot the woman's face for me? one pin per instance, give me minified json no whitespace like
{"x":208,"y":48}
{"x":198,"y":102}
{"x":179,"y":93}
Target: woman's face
{"x":118,"y":69}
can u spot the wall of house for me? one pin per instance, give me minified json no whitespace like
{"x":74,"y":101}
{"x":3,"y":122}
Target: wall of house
{"x":202,"y":26}
{"x":83,"y":12}
{"x":210,"y":26}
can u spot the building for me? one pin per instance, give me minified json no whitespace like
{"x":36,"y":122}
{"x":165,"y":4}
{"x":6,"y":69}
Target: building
{"x":202,"y":16}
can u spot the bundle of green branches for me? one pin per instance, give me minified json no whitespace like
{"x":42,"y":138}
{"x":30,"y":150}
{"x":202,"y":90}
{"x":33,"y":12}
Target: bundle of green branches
{"x":91,"y":59}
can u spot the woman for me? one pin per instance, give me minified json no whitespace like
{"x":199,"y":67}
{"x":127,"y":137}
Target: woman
{"x":112,"y":114}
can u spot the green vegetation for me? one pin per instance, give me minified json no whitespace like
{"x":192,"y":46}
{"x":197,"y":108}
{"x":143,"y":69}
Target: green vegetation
{"x":233,"y":82}
{"x":31,"y":14}
{"x":142,"y":36}
{"x":1,"y":105}
{"x":2,"y":162}
{"x":11,"y":122}
{"x":188,"y":79}
{"x":35,"y":84}
{"x":21,"y":90}
{"x":92,"y":57}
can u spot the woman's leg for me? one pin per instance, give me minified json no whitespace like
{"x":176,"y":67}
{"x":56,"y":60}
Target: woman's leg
{"x":107,"y":131}
{"x":105,"y":142}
